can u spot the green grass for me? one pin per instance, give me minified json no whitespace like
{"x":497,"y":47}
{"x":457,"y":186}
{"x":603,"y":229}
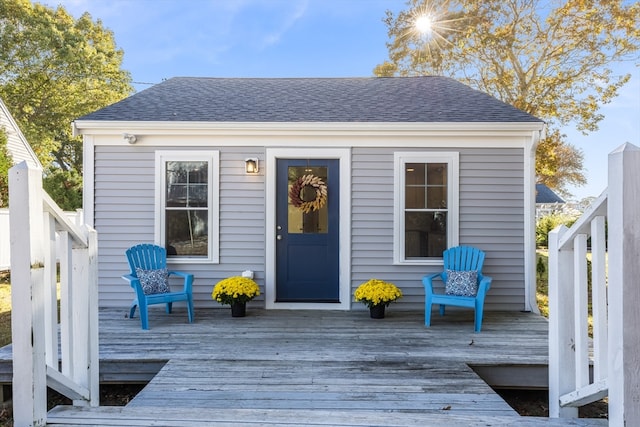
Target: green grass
{"x":542,"y":282}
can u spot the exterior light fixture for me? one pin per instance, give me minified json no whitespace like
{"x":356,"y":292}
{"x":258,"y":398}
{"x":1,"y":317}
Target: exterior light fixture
{"x":251,"y":165}
{"x":130,"y":138}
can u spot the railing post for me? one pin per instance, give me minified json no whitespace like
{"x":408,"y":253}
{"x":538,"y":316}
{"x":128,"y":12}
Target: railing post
{"x":624,"y":287}
{"x":561,"y":326}
{"x":27,"y":296}
{"x":79,"y":318}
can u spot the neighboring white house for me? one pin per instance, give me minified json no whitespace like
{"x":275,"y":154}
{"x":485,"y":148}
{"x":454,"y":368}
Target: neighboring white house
{"x":231,"y":174}
{"x":20,"y":150}
{"x":17,"y":144}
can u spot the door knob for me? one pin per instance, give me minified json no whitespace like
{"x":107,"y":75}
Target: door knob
{"x":278,"y":237}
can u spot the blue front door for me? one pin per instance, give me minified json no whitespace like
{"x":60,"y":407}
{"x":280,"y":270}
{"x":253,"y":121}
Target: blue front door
{"x":307,"y":231}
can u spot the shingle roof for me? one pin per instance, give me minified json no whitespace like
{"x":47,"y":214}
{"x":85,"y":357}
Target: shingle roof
{"x":373,"y":99}
{"x":545,"y":195}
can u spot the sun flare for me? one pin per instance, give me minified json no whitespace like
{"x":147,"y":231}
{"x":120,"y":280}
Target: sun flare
{"x":424,"y":24}
{"x":429,"y":26}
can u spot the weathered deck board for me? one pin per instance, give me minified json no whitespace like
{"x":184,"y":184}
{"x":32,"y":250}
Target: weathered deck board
{"x":312,"y":368}
{"x":510,"y":338}
{"x":221,"y":417}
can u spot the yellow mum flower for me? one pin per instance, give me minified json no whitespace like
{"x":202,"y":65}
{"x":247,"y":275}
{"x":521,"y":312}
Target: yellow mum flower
{"x":376,"y":292}
{"x":235,"y":289}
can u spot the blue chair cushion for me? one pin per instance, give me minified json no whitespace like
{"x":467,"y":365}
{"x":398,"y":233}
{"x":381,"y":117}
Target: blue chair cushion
{"x":153,"y":281}
{"x":462,"y":283}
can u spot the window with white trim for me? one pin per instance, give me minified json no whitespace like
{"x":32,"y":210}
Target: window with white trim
{"x":426,"y":206}
{"x":187,"y":204}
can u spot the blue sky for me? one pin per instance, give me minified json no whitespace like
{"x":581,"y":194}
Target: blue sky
{"x":299,"y":38}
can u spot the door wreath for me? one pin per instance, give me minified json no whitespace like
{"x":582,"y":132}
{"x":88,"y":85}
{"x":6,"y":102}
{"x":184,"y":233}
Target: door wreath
{"x":297,"y":190}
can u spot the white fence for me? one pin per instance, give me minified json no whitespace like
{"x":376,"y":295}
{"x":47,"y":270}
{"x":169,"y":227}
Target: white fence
{"x":5,"y":258}
{"x":50,"y":349}
{"x":613,"y":225}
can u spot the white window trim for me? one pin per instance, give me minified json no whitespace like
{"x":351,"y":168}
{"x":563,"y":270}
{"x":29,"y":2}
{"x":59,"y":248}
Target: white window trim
{"x":453,"y":173}
{"x":213,"y":158}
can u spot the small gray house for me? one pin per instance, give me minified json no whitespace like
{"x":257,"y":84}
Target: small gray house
{"x":314,"y":184}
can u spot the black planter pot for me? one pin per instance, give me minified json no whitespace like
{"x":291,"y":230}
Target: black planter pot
{"x":377,"y":311}
{"x":238,"y":309}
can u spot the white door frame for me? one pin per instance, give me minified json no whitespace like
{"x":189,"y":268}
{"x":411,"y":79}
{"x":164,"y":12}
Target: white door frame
{"x":344,"y":155}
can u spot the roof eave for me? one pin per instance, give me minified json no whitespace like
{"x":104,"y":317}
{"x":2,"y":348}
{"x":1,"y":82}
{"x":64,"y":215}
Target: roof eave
{"x":107,"y":127}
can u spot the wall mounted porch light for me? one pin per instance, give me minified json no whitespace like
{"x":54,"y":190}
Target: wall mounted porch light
{"x":251,"y":165}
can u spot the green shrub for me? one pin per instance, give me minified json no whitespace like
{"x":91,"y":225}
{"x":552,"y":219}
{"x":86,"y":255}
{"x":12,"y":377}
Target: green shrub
{"x":5,"y":164}
{"x":547,"y":223}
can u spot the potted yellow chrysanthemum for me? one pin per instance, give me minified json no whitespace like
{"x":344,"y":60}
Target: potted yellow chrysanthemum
{"x":236,"y":291}
{"x":377,"y":294}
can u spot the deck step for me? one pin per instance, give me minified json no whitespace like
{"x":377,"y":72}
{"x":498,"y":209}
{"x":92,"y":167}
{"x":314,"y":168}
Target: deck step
{"x":165,"y":417}
{"x":389,"y":385}
{"x":387,"y":392}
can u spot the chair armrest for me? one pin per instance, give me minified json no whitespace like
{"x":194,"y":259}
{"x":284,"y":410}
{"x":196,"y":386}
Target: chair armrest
{"x":485,"y":285}
{"x":188,"y":280}
{"x":134,"y":282}
{"x":427,"y":281}
{"x":130,"y":278}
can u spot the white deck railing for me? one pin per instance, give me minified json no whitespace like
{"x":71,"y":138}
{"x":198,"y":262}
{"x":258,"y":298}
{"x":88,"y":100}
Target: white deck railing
{"x":615,"y":352}
{"x":68,"y":364}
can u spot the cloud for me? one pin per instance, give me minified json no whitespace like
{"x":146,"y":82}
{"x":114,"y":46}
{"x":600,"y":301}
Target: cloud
{"x":291,"y":18}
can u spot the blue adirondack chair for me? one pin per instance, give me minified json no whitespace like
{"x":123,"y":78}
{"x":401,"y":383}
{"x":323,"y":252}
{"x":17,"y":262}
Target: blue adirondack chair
{"x":151,"y":261}
{"x":458,"y":259}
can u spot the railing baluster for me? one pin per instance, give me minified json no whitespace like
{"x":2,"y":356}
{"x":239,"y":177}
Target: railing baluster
{"x":580,"y":309}
{"x":66,"y":331}
{"x":50,"y":290}
{"x":599,"y":297}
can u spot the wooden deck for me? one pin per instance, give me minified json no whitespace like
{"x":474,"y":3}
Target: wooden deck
{"x":331,"y":368}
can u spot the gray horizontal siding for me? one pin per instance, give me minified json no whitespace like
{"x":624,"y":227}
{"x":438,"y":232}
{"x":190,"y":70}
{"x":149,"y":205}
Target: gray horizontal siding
{"x":491,"y":217}
{"x":124,"y":216}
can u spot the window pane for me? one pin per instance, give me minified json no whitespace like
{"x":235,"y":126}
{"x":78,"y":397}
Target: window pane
{"x":197,"y":195}
{"x":176,"y":195}
{"x":437,"y":186}
{"x":425,"y":234}
{"x":183,"y":172}
{"x":414,"y":174}
{"x":437,"y":198}
{"x":313,"y":221}
{"x":187,"y":184}
{"x":437,"y":174}
{"x":414,"y":198}
{"x":187,"y":232}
